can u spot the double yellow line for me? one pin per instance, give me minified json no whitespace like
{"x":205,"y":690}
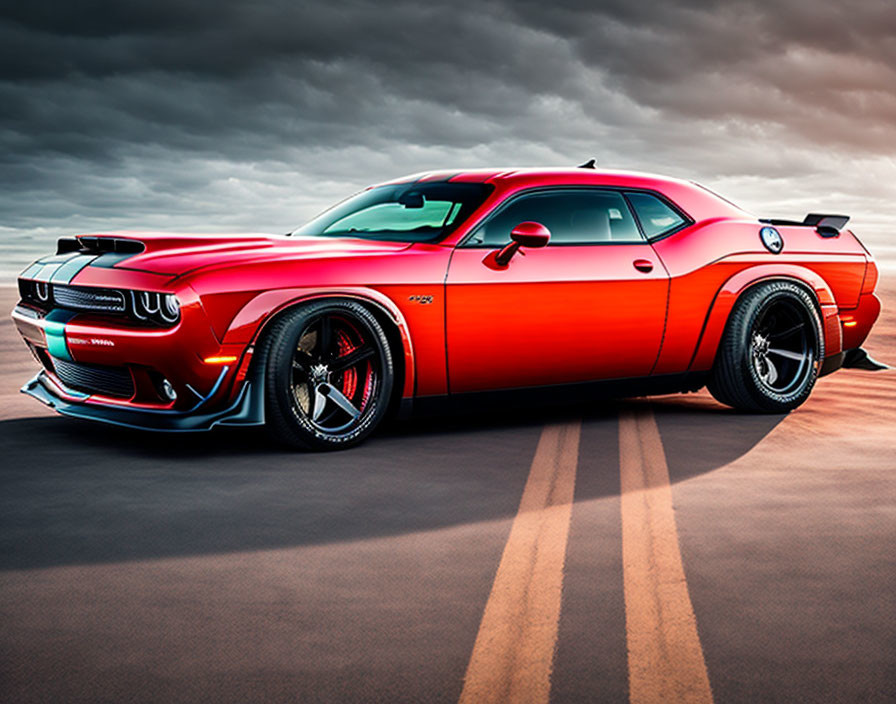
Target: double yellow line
{"x":513,"y":654}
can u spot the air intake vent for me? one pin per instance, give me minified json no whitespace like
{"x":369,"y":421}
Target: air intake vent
{"x":87,"y":244}
{"x":93,"y":379}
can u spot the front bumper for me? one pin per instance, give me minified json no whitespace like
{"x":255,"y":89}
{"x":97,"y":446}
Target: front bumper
{"x":246,"y":409}
{"x":101,"y":368}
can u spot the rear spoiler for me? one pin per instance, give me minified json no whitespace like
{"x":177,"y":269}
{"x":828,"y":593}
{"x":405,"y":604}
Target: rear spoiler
{"x":825,"y":225}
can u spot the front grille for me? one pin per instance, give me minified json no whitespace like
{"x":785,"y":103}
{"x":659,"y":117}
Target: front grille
{"x":103,"y":300}
{"x":95,"y":300}
{"x":94,"y":379}
{"x":142,"y":308}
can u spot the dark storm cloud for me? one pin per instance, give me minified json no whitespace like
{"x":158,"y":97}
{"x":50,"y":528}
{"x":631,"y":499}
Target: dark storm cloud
{"x":773,"y":61}
{"x":196,"y":113}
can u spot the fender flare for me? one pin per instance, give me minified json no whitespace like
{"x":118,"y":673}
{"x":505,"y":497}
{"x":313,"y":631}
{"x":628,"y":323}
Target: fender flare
{"x":729,"y":293}
{"x":254,"y":316}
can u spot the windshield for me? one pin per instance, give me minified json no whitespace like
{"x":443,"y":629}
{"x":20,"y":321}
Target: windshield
{"x":407,"y":212}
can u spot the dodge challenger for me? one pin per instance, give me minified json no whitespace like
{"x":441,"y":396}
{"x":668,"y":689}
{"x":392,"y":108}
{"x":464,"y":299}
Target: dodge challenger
{"x":448,"y":285}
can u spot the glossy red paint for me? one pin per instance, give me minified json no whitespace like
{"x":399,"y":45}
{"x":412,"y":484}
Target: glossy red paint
{"x":539,"y":318}
{"x":463,"y":322}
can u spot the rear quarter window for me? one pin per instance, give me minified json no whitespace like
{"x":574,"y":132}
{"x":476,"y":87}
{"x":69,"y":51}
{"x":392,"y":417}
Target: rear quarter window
{"x":657,"y":218}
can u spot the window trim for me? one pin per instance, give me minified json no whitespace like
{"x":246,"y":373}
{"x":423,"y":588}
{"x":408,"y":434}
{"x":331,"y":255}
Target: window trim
{"x":687,"y":220}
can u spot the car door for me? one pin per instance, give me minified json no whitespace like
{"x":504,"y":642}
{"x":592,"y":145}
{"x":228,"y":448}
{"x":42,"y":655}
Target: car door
{"x":590,"y":305}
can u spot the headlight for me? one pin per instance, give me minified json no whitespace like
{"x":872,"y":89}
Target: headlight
{"x":155,"y":307}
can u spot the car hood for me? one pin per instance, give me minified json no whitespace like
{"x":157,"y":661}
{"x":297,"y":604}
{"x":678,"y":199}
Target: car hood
{"x":178,"y":254}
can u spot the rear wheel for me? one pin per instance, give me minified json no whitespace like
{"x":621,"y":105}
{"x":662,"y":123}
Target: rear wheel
{"x":328,"y":375}
{"x":769,"y":356}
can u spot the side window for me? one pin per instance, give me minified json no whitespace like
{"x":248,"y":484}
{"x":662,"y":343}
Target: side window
{"x":574,"y":216}
{"x":655,"y":216}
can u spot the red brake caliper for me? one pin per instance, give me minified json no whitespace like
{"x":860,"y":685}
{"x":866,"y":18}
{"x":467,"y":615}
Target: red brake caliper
{"x":349,"y":376}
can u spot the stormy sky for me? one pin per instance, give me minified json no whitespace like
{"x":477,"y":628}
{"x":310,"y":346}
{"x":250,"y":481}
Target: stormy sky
{"x":210,"y":115}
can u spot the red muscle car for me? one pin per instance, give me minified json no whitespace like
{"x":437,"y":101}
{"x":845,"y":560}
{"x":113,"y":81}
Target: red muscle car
{"x":444,"y":284}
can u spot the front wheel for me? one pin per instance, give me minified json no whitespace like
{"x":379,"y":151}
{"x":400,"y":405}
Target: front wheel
{"x":771,"y":351}
{"x":328,"y":375}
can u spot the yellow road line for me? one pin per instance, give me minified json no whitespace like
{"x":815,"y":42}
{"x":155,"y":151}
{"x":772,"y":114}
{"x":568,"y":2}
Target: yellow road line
{"x":514,"y":649}
{"x":665,"y":659}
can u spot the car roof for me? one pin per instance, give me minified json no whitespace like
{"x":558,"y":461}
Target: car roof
{"x":698,"y":201}
{"x":526,"y":174}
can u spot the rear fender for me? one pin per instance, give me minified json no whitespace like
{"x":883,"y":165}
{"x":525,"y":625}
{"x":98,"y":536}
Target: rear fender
{"x":251,"y":320}
{"x":738,"y":284}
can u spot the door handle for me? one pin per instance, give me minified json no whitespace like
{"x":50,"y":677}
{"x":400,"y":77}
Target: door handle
{"x":644,"y":265}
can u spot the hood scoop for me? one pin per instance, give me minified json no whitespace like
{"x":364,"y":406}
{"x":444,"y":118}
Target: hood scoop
{"x":175,"y":254}
{"x":86,"y":244}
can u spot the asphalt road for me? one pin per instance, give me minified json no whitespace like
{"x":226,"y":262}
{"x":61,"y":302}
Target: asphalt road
{"x":661,"y":550}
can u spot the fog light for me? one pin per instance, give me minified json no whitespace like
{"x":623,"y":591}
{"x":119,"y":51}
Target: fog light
{"x":168,"y":390}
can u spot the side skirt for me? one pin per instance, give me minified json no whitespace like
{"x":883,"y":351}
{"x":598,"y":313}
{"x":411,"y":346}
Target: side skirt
{"x":556,"y":396}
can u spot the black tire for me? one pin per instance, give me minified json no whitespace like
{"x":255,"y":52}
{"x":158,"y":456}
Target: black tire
{"x":771,"y":351}
{"x":318,"y":361}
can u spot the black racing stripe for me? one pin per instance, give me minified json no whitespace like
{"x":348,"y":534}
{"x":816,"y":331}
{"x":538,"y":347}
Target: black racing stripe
{"x":110,"y":259}
{"x":45,"y":271}
{"x":30,"y":271}
{"x":58,"y":258}
{"x":70,"y":269}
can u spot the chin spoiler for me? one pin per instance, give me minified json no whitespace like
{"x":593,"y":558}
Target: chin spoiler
{"x":246,"y":409}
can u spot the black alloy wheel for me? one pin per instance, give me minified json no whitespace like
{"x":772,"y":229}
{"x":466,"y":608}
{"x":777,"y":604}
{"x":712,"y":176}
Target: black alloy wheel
{"x":771,"y":351}
{"x":329,"y":375}
{"x":782,"y":349}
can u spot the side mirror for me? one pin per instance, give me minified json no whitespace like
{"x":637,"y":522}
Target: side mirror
{"x":526,"y":234}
